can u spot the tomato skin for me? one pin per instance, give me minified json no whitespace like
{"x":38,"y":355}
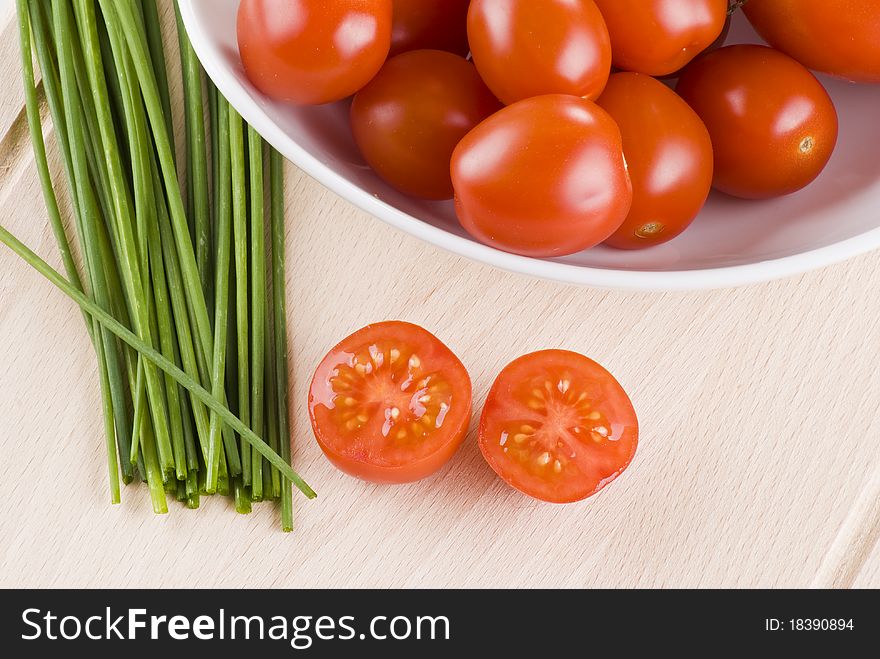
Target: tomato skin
{"x":840,"y":37}
{"x":715,"y":45}
{"x":524,"y":48}
{"x":290,"y":51}
{"x":669,"y":155}
{"x":362,"y":376}
{"x":411,"y":116}
{"x":543,"y":177}
{"x":522,"y":436}
{"x":430,"y":24}
{"x":659,"y":37}
{"x":773,"y":125}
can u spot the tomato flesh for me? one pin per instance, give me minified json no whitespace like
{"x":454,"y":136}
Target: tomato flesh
{"x":390,"y":403}
{"x":557,"y":426}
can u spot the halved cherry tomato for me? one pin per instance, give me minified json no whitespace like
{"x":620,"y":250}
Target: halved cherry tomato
{"x":436,"y":24}
{"x":411,"y":116}
{"x":669,"y":156}
{"x":311,"y":52}
{"x":773,"y":125}
{"x":659,"y":37}
{"x":558,"y":427}
{"x":525,"y":48}
{"x":840,"y":37}
{"x":390,"y":403}
{"x":542,"y":177}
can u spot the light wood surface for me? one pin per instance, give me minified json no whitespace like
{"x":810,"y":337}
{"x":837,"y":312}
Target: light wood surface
{"x":759,"y":461}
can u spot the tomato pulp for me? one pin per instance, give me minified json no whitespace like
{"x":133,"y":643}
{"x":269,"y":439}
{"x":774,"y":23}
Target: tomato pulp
{"x":557,"y":426}
{"x":390,"y":403}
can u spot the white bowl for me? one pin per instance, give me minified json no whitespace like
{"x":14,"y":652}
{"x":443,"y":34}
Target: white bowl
{"x":732,"y":242}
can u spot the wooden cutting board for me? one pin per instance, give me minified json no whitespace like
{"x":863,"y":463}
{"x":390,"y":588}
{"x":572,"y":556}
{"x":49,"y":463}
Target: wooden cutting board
{"x":759,"y":462}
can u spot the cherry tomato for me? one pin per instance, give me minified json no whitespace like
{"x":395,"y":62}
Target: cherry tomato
{"x":436,"y":24}
{"x":669,"y":156}
{"x":558,"y":427}
{"x":659,"y":37}
{"x":715,"y":45}
{"x":409,"y":119}
{"x":543,"y":177}
{"x":310,"y":52}
{"x":773,"y":125}
{"x":390,"y":403}
{"x":840,"y":37}
{"x":526,"y":48}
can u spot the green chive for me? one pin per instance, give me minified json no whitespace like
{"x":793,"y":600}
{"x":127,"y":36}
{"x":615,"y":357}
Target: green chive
{"x":258,"y":302}
{"x":279,"y":280}
{"x":152,"y":355}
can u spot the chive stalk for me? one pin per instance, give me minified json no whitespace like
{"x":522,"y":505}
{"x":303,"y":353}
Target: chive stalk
{"x":87,"y":220}
{"x":279,"y":308}
{"x":153,"y":356}
{"x":153,"y":33}
{"x":121,"y":222}
{"x":221,"y":287}
{"x":240,"y":241}
{"x":257,"y":300}
{"x":197,"y":160}
{"x":183,"y":302}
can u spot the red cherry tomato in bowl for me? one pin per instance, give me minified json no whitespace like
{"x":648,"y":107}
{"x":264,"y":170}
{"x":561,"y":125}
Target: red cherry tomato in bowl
{"x":543,"y":177}
{"x":411,"y":116}
{"x":558,"y":427}
{"x":390,"y":403}
{"x":430,"y":24}
{"x":525,"y":48}
{"x":669,"y":155}
{"x":840,"y":37}
{"x":659,"y":37}
{"x":310,"y":52}
{"x":773,"y":126}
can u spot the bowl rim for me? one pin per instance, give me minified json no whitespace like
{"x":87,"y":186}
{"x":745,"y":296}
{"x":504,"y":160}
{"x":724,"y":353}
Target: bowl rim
{"x":607,"y":278}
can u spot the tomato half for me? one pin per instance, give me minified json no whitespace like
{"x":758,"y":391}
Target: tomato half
{"x":558,"y":427}
{"x":543,"y":177}
{"x":669,"y":155}
{"x":390,"y":403}
{"x":524,"y":48}
{"x":840,"y":37}
{"x":773,"y":126}
{"x":435,"y":24}
{"x":411,"y":116}
{"x":311,"y":52}
{"x":659,"y":37}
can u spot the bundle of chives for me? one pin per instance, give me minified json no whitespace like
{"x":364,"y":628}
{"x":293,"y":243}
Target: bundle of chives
{"x":190,"y":274}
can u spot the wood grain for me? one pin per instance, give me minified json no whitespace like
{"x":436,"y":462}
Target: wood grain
{"x":759,"y":462}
